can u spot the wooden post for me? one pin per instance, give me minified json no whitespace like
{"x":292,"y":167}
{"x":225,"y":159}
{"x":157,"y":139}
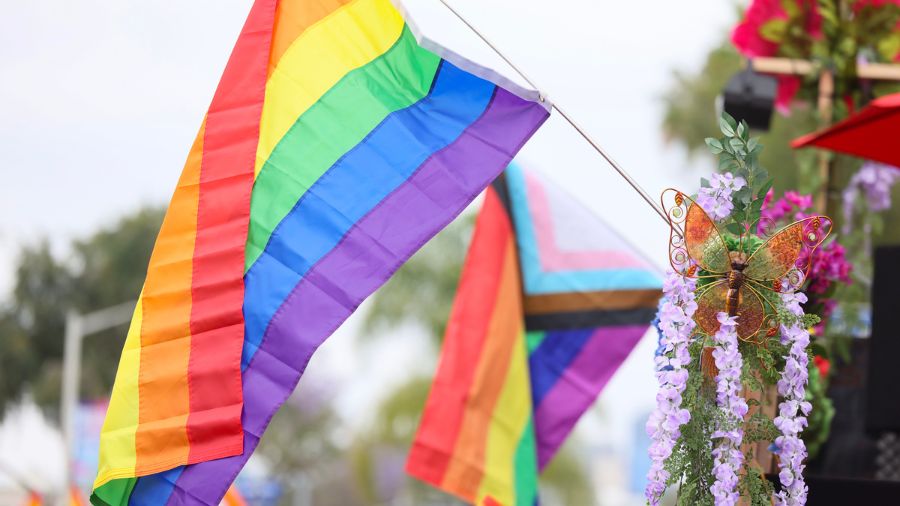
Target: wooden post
{"x":825,"y":107}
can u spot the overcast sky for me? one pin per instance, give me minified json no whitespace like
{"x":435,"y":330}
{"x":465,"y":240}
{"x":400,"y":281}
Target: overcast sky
{"x":100,"y":101}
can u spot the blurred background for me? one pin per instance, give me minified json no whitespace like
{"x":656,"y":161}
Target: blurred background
{"x":100,"y":102}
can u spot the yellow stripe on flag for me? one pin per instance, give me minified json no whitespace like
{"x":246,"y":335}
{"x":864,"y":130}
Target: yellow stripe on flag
{"x":117,"y":454}
{"x":350,"y":37}
{"x":508,"y":422}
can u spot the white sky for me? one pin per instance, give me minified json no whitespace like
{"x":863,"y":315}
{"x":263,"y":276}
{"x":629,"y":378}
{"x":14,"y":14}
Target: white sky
{"x":100,"y":101}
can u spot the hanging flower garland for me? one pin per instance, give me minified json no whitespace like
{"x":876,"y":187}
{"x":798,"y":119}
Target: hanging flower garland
{"x":794,"y":408}
{"x":727,"y":455}
{"x":731,"y":322}
{"x":676,"y":324}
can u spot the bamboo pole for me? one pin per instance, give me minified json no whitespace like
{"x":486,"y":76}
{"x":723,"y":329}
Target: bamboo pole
{"x":797,"y":67}
{"x":825,"y":107}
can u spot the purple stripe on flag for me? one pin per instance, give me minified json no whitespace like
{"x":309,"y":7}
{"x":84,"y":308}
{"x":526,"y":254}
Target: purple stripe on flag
{"x":370,"y":252}
{"x":580,"y":384}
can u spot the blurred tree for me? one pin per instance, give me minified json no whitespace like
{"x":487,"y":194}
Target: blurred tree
{"x":105,"y":269}
{"x":299,"y":446}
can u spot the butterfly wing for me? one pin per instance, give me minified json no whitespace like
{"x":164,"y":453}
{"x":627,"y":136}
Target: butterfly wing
{"x":711,"y":301}
{"x":791,"y":247}
{"x":751,"y":314}
{"x":693,"y":237}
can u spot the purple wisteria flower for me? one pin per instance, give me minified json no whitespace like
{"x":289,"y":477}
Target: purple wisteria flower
{"x":716,"y":198}
{"x":676,"y":325}
{"x":727,"y":456}
{"x":874,"y":180}
{"x":793,"y":409}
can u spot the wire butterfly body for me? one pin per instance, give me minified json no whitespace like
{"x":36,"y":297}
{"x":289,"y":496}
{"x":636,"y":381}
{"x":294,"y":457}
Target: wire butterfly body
{"x":734,"y":281}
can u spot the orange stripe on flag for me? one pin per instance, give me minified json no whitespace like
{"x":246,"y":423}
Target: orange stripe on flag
{"x":467,"y":467}
{"x":466,"y":330}
{"x":292,"y":19}
{"x":166,"y":332}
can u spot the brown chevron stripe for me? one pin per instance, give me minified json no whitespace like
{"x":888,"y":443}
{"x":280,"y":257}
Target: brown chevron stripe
{"x":586,"y":301}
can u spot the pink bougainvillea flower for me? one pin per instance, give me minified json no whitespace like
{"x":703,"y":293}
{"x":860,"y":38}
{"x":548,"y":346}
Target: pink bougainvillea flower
{"x":746,"y":36}
{"x":788,"y":86}
{"x":748,"y":39}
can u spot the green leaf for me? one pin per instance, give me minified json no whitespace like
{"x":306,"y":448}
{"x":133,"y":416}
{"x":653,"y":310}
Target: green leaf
{"x":735,"y":228}
{"x":727,"y":124}
{"x":889,"y":46}
{"x":774,"y":30}
{"x":764,"y":189}
{"x":829,"y":14}
{"x":704,"y":183}
{"x":791,"y":8}
{"x":744,"y":195}
{"x":756,"y":206}
{"x":714,"y":145}
{"x":727,"y":164}
{"x":752,"y":143}
{"x":737,"y":145}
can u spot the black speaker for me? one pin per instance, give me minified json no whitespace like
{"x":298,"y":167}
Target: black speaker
{"x":750,"y":96}
{"x":883,"y":382}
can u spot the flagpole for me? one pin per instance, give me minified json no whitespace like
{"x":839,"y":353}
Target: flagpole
{"x":597,"y":147}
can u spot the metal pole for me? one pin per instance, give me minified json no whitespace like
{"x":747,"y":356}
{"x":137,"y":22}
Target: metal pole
{"x":70,"y":382}
{"x":77,"y":327}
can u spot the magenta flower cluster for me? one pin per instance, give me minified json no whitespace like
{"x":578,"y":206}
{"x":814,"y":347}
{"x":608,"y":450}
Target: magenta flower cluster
{"x":727,"y":456}
{"x":715,"y":199}
{"x":793,"y":409}
{"x":676,"y":325}
{"x":792,"y":207}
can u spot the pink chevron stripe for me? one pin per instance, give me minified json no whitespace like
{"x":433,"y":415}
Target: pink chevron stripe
{"x":552,"y":258}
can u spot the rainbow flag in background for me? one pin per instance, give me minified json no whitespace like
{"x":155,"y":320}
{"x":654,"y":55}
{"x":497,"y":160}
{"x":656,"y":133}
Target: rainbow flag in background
{"x":550,"y":303}
{"x":334,"y":147}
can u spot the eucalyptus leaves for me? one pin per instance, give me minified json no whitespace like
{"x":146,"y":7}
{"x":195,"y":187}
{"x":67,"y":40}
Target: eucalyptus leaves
{"x":744,"y":181}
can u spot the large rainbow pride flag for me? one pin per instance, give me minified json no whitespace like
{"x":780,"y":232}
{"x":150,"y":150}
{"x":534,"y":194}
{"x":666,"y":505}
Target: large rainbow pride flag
{"x":550,"y":303}
{"x":334,"y":147}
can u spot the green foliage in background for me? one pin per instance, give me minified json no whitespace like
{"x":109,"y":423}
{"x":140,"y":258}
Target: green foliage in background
{"x":105,"y":269}
{"x":847,"y":31}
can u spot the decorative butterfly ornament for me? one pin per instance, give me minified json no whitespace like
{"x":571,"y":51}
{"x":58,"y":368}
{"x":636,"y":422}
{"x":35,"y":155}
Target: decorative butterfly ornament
{"x":737,"y":282}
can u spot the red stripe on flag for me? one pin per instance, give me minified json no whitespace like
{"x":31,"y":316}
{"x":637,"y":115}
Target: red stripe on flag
{"x":223,"y":215}
{"x":442,"y":419}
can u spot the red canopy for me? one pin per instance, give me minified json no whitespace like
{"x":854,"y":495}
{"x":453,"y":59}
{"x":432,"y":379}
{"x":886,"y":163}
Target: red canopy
{"x":872,"y":133}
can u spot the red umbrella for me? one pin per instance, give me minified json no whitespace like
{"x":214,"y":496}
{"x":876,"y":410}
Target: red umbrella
{"x":872,"y":133}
